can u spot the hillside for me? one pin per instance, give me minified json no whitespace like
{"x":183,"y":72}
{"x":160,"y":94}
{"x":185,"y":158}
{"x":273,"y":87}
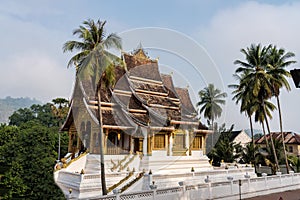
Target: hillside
{"x":9,"y":105}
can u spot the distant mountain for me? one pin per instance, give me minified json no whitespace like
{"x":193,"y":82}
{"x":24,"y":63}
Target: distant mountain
{"x":9,"y":105}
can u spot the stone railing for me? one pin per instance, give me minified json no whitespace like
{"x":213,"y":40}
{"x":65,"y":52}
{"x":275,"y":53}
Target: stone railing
{"x":230,"y":189}
{"x":129,"y":161}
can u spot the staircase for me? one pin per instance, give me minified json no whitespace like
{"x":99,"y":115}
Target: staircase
{"x":113,"y":163}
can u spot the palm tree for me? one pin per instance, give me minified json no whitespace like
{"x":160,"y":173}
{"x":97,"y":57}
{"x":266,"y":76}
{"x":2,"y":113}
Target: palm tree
{"x":211,"y":99}
{"x":92,"y":61}
{"x":242,"y":93}
{"x":277,"y":63}
{"x":257,"y":79}
{"x":92,"y":35}
{"x":259,"y":116}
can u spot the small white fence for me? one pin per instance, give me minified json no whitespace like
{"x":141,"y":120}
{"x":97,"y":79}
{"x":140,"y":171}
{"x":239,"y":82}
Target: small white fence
{"x":231,"y":189}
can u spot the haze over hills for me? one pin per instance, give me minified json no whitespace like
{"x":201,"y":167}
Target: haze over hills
{"x":9,"y":104}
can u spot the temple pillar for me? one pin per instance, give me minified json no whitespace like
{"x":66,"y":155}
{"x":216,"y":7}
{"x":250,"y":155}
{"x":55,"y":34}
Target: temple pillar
{"x":203,"y":145}
{"x":187,"y":142}
{"x":145,"y":142}
{"x":167,"y":144}
{"x":131,"y":144}
{"x":105,"y":141}
{"x":170,"y":144}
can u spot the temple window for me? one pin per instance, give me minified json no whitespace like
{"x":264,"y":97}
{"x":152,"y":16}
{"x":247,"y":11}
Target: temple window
{"x":179,"y":141}
{"x":159,"y":141}
{"x":196,"y":144}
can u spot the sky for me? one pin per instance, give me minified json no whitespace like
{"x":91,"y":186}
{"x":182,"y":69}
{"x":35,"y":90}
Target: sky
{"x":196,"y":41}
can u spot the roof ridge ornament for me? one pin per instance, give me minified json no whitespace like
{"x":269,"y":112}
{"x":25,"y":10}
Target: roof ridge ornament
{"x":140,"y":53}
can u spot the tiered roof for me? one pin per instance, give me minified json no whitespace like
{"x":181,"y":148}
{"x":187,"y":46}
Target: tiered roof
{"x":141,"y":97}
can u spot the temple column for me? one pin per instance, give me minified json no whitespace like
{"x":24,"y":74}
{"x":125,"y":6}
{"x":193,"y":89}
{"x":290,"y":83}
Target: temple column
{"x":170,"y":144}
{"x":167,"y":144}
{"x":105,"y":141}
{"x":203,"y":139}
{"x":145,"y":142}
{"x":187,"y":142}
{"x":131,"y":143}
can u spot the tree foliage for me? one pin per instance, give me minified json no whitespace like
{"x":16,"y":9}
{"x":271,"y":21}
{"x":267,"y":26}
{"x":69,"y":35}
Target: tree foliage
{"x":225,"y":150}
{"x":28,"y":151}
{"x":260,"y":77}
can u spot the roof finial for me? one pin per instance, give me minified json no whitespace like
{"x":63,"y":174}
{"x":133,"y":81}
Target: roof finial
{"x":187,"y":87}
{"x":171,"y":73}
{"x":140,"y":46}
{"x":139,"y":52}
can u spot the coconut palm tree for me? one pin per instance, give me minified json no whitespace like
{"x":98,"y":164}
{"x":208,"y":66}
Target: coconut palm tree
{"x":92,"y":34}
{"x":259,"y":115}
{"x":242,"y":94}
{"x":257,"y":79}
{"x":92,"y":61}
{"x":277,"y":63}
{"x":211,"y":99}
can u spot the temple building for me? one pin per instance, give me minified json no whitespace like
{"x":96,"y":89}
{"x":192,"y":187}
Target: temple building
{"x":147,"y":123}
{"x":143,"y":113}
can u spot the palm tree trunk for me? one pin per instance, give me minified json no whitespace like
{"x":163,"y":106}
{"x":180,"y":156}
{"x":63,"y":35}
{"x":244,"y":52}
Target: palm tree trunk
{"x":253,"y":142}
{"x":251,"y":128}
{"x":212,"y":135}
{"x":264,"y":131}
{"x":282,"y":137}
{"x":272,"y":142}
{"x":102,"y":167}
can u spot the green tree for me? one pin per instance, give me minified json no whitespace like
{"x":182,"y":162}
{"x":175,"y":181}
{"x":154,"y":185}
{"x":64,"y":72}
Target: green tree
{"x":295,"y":163}
{"x":60,"y":109}
{"x":94,"y":61}
{"x":269,"y":158}
{"x":20,"y":116}
{"x":225,"y":150}
{"x":30,"y":157}
{"x":242,"y":94}
{"x":211,"y":99}
{"x":92,"y":35}
{"x":28,"y":149}
{"x":258,"y":79}
{"x":249,"y":153}
{"x":278,"y":60}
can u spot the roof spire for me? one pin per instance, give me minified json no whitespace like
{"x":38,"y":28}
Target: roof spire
{"x":139,"y":52}
{"x":140,"y":46}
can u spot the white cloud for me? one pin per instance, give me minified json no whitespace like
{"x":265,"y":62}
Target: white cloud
{"x":35,"y":74}
{"x":252,"y":22}
{"x":32,"y":62}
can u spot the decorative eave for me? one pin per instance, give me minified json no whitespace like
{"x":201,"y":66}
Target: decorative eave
{"x":118,"y":127}
{"x":144,"y":80}
{"x":203,"y":131}
{"x":69,"y":119}
{"x":184,"y":122}
{"x":157,"y":128}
